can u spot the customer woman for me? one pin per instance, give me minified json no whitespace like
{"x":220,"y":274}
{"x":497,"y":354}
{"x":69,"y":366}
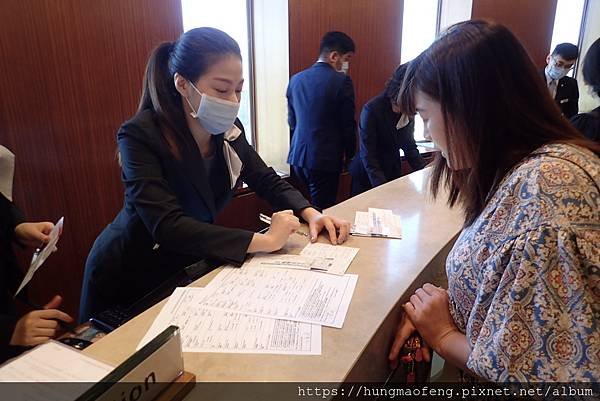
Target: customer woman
{"x":182,"y":156}
{"x":589,"y":123}
{"x":523,"y":299}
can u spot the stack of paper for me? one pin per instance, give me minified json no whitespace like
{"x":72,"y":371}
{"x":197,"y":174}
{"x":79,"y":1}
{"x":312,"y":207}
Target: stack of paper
{"x":258,"y":310}
{"x":212,"y":330}
{"x":377,"y":223}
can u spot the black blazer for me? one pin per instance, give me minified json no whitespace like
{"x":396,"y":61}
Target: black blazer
{"x":567,"y":95}
{"x":10,"y":277}
{"x":166,"y":221}
{"x":321,"y":118}
{"x":380,"y":142}
{"x":588,"y":124}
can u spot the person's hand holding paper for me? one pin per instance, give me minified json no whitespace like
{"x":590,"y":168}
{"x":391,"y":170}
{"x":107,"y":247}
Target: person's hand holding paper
{"x":36,"y":231}
{"x":34,"y":234}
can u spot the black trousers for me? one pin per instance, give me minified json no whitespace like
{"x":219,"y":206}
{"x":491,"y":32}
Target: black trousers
{"x":322,"y":185}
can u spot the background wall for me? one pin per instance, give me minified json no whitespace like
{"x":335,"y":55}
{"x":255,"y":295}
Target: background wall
{"x":375,"y":27}
{"x":531,"y":21}
{"x":71,"y":74}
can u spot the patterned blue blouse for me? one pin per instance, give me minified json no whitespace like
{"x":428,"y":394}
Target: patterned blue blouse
{"x":524,"y":278}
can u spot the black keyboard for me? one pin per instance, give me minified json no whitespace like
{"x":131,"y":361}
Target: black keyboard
{"x":110,"y":319}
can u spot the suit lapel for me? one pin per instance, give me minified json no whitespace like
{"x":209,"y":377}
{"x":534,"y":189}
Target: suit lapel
{"x":194,"y":169}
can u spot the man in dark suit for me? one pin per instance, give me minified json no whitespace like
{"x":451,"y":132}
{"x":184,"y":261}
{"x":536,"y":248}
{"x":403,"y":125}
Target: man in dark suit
{"x":321,"y":118}
{"x":563,"y":89}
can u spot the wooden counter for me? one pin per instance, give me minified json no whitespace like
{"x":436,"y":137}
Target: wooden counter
{"x":389,"y":270}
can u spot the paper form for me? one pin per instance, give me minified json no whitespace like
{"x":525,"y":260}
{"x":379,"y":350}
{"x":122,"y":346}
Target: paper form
{"x":324,"y":258}
{"x":298,"y":295}
{"x":53,"y":362}
{"x":289,"y":262}
{"x":361,"y":224}
{"x":377,"y":223}
{"x":48,"y":368}
{"x":339,"y":256}
{"x":210,"y":330}
{"x":39,"y":259}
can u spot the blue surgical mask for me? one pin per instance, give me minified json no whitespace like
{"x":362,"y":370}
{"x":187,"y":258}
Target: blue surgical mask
{"x":215,"y":115}
{"x":555,"y":72}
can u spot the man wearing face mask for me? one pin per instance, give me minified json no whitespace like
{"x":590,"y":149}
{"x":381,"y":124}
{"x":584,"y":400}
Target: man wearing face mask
{"x":321,"y":119}
{"x":563,"y":88}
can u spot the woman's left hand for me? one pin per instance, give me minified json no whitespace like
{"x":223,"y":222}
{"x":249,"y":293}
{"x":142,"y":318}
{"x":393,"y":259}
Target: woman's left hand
{"x":317,"y":221}
{"x":429,"y":311}
{"x":33,"y":234}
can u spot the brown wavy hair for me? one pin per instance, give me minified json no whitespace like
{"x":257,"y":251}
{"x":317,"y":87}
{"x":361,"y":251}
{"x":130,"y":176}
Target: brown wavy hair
{"x":496,"y":108}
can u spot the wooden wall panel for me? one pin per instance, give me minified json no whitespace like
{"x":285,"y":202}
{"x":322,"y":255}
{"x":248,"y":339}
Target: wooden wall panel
{"x":374,"y":25}
{"x":532,"y":21}
{"x":71,"y":74}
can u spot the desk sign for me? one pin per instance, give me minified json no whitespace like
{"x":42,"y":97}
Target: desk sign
{"x":145,"y":374}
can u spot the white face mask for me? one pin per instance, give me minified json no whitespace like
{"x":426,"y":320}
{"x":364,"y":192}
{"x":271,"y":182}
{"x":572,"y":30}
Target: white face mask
{"x":7,"y":172}
{"x":555,"y":72}
{"x":215,"y":115}
{"x":345,"y":67}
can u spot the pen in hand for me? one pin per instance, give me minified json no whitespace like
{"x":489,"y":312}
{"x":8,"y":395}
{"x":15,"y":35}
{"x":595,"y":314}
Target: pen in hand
{"x":266,"y":219}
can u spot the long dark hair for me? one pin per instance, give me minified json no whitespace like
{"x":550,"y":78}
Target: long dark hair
{"x":591,"y":67}
{"x":190,"y":56}
{"x":495,"y":105}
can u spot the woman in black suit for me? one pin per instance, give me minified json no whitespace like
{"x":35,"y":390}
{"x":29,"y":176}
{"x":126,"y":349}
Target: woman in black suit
{"x":182,"y":156}
{"x":36,"y":327}
{"x":589,"y":123}
{"x":383,"y":131}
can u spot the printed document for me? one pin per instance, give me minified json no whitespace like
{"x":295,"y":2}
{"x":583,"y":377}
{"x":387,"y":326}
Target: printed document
{"x":53,"y":371}
{"x":377,"y":223}
{"x":298,"y":295}
{"x":339,"y":256}
{"x":211,"y":330}
{"x":325,"y":258}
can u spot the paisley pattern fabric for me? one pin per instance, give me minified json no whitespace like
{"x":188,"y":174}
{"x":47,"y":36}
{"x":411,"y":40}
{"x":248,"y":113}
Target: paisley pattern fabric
{"x":524,"y":278}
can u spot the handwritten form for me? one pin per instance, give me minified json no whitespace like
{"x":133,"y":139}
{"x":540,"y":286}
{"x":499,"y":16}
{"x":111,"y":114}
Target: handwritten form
{"x":289,"y":294}
{"x":210,"y":330}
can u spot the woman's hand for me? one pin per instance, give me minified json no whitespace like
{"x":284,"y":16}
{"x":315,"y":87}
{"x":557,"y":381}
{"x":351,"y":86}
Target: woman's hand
{"x":317,"y":221}
{"x":405,"y":329}
{"x":429,"y":311}
{"x":283,"y":224}
{"x":40,"y":325}
{"x":33,"y":234}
